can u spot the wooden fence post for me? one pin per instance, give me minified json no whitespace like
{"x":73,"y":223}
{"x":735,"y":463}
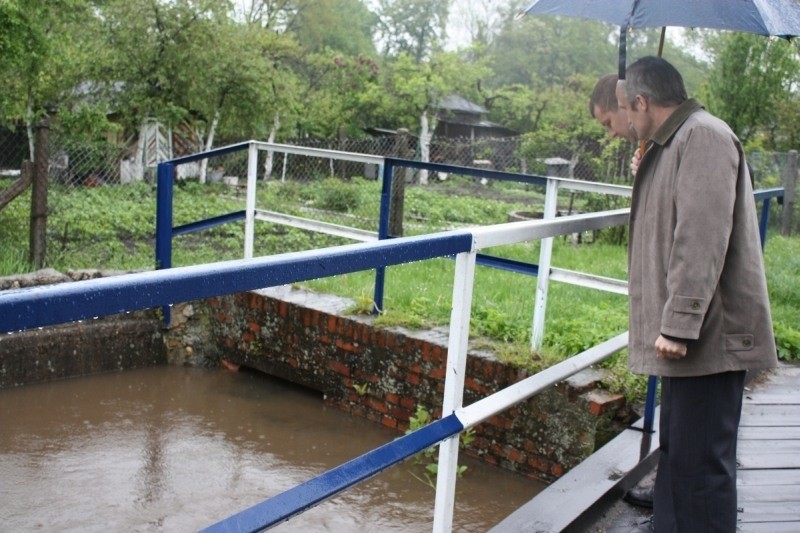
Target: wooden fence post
{"x":397,"y":201}
{"x":38,"y":236}
{"x":789,"y":179}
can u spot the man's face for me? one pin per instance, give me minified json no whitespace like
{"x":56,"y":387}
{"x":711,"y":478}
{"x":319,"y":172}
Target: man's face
{"x":615,"y":123}
{"x":638,"y":118}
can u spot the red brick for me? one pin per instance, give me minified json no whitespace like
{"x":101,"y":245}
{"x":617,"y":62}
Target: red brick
{"x":377,"y":405}
{"x":348,"y":346}
{"x":332,"y":323}
{"x":338,"y":367}
{"x":255,"y":327}
{"x":389,"y":422}
{"x":436,"y":373}
{"x":426,"y":351}
{"x":392,"y":398}
{"x":413,"y":378}
{"x":557,"y":470}
{"x":408,"y":403}
{"x":515,"y":455}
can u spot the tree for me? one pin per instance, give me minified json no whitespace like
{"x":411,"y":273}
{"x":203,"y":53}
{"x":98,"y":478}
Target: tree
{"x":344,"y":26}
{"x":409,"y":92}
{"x":412,"y":27}
{"x":46,"y":49}
{"x":751,"y":79}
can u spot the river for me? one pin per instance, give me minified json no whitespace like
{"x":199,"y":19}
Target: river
{"x":177,"y":449}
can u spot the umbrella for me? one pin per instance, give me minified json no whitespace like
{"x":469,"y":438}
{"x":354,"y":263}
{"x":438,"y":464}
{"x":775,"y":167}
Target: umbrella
{"x":780,"y":18}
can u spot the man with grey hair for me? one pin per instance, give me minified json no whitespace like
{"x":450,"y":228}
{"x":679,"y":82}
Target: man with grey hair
{"x":699,"y":312}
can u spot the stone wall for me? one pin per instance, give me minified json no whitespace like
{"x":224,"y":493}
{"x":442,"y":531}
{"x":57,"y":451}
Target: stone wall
{"x":382,"y":374}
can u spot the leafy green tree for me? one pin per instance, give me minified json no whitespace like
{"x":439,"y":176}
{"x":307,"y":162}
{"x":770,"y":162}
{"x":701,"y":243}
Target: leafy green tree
{"x":46,"y":49}
{"x":752,"y":78}
{"x":344,"y":26}
{"x":329,"y":94}
{"x":415,"y":28}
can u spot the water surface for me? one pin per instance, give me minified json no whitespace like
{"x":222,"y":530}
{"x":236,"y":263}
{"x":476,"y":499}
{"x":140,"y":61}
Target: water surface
{"x":178,"y":449}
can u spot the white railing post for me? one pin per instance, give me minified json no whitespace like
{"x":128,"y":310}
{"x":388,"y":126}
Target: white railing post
{"x":454,"y":388}
{"x":250,"y":207}
{"x":543,"y":278}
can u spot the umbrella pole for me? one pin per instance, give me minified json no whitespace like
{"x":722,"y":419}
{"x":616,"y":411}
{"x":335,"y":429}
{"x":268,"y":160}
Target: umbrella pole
{"x":661,"y":41}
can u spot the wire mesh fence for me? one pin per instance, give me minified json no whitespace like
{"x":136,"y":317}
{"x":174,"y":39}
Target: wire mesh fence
{"x":102,"y":196}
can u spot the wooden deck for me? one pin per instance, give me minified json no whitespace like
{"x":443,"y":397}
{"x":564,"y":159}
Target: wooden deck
{"x":588,"y":498}
{"x":769,"y":454}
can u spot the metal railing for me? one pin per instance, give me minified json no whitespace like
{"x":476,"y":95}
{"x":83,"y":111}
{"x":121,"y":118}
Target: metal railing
{"x":42,"y":306}
{"x":387,"y":167}
{"x":48,"y":305}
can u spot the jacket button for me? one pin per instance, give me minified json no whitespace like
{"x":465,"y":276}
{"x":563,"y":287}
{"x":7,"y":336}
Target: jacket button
{"x":695,"y":306}
{"x":747,"y":343}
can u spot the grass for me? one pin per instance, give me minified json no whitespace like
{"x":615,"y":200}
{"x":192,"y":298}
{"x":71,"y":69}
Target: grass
{"x":113,"y":228}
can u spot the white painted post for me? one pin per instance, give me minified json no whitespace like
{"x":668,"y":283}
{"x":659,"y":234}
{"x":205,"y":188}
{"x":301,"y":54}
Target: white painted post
{"x":454,"y":388}
{"x":543,"y":279}
{"x":250,"y":208}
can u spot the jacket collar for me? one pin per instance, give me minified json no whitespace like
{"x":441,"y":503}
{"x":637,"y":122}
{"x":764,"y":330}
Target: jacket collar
{"x":675,"y":120}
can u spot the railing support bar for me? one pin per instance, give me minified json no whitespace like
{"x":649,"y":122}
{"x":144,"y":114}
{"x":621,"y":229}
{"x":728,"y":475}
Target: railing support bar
{"x":454,"y":388}
{"x":250,"y":205}
{"x":543,"y":279}
{"x":385,"y":170}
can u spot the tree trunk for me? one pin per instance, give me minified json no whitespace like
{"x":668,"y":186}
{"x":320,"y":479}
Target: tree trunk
{"x":38,"y":236}
{"x":424,"y":146}
{"x":212,"y":130}
{"x":269,"y":161}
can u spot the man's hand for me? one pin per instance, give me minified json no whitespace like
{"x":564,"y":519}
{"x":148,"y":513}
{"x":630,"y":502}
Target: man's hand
{"x":669,"y":349}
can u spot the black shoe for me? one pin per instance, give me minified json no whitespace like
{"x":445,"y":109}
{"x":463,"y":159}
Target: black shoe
{"x":640,"y":496}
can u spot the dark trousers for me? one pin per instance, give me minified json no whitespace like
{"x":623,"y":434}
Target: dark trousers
{"x":696,"y":479}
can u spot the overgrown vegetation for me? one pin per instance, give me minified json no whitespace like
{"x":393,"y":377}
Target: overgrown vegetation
{"x":112,"y":227}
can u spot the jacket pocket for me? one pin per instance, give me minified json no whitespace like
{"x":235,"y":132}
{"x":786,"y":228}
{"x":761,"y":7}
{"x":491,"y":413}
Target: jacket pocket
{"x":739,"y":343}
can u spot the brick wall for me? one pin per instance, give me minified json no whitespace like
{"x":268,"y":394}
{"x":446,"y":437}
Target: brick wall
{"x":383,"y":374}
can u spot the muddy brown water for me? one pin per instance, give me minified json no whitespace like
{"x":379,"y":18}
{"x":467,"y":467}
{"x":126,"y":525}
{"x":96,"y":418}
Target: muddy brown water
{"x":178,"y":449}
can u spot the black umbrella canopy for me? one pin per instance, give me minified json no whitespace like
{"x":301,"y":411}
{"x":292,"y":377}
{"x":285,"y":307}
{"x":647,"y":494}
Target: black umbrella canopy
{"x":780,"y":18}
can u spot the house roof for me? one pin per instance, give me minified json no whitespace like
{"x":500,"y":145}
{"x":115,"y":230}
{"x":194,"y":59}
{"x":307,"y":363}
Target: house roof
{"x":454,"y":102}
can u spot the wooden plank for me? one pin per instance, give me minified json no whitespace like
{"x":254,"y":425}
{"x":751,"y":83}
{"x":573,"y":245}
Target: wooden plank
{"x":770,"y":527}
{"x":567,"y":504}
{"x":774,"y":398}
{"x":770,"y":477}
{"x":771,"y":415}
{"x":782,"y":493}
{"x":768,"y":512}
{"x":768,"y":433}
{"x":769,"y":446}
{"x":749,"y":461}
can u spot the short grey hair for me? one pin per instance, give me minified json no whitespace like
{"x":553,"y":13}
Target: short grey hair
{"x":655,"y":79}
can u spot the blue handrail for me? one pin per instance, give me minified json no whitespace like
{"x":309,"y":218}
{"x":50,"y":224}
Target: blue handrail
{"x":298,"y":499}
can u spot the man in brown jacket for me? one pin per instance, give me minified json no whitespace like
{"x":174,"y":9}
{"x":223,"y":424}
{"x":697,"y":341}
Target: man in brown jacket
{"x":699,"y":311}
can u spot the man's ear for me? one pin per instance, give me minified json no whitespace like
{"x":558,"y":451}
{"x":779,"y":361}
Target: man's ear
{"x":641,"y":102}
